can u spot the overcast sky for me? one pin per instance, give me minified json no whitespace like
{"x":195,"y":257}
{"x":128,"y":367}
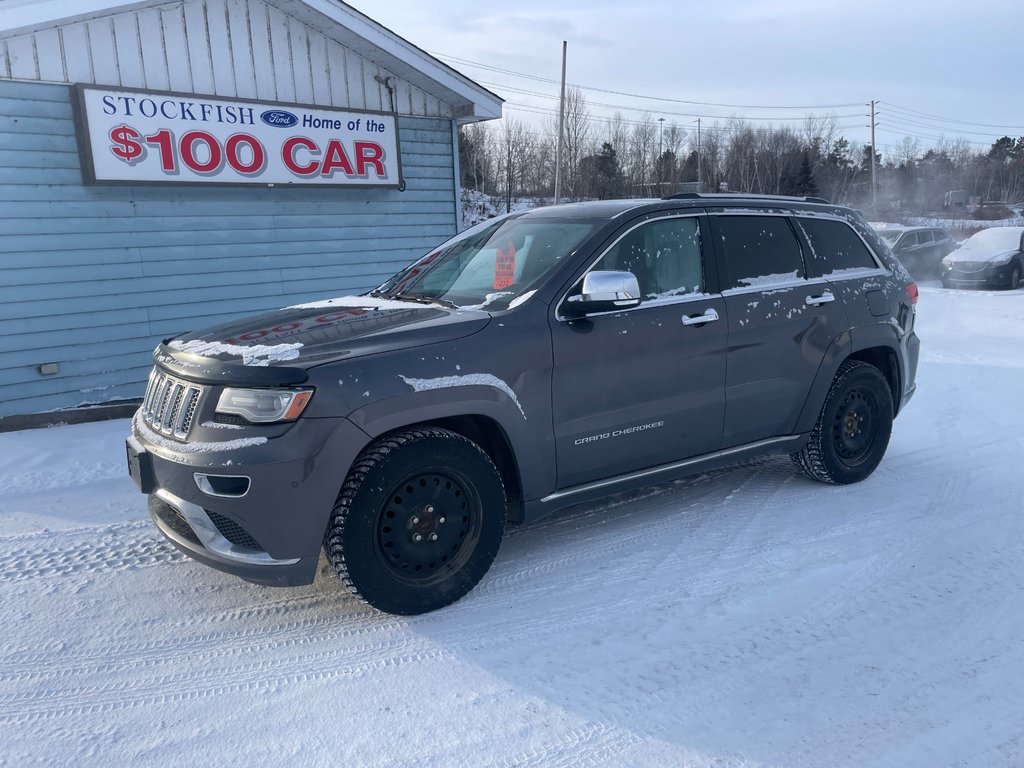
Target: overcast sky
{"x":962,"y":60}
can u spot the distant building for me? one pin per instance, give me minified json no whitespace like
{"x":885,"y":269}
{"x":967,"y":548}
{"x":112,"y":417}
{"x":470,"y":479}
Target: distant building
{"x":168,"y":165}
{"x":955,"y":199}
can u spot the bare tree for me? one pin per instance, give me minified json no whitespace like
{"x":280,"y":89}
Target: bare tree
{"x":742,"y":150}
{"x":516,"y":143}
{"x":907,"y":152}
{"x":578,"y":141}
{"x":477,"y":156}
{"x":640,"y":152}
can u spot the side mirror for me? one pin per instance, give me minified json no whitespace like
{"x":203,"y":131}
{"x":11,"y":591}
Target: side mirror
{"x":604,"y":292}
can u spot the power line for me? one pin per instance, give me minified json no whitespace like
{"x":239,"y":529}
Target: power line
{"x":490,"y":68}
{"x":931,"y":126}
{"x":929,"y":137}
{"x":644,"y":109}
{"x":612,"y":119}
{"x":950,"y":119}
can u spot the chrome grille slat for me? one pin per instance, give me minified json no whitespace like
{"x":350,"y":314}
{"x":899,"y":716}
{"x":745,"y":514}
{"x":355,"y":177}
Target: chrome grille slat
{"x":161,"y":404}
{"x":148,"y":400}
{"x":173,"y":401}
{"x":183,"y":411}
{"x":171,"y":404}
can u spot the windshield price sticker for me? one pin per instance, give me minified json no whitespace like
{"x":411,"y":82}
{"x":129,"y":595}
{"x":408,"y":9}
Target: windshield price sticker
{"x":505,"y":266}
{"x":149,"y":136}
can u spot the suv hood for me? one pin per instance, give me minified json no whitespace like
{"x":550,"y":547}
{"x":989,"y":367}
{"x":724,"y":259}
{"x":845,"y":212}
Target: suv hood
{"x":979,"y":255}
{"x":276,"y":348}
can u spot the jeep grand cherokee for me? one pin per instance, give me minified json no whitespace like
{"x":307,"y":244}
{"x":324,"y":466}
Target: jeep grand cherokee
{"x":531,"y":362}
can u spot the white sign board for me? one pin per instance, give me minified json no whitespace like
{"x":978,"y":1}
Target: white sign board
{"x":160,"y":137}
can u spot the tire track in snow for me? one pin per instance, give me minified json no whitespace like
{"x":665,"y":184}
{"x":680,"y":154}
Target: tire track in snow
{"x":34,"y":707}
{"x":200,"y":681}
{"x":62,"y":553}
{"x":791,"y":634}
{"x":714,"y":524}
{"x":302,"y":633}
{"x":594,"y":744}
{"x":24,"y":707}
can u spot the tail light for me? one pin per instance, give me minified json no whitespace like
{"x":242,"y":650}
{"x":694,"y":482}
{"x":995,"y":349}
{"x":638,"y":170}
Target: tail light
{"x":912,"y":293}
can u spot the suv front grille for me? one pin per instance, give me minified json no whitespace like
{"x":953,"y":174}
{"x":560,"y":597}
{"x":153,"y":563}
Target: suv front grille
{"x":969,"y":266}
{"x":170,"y":404}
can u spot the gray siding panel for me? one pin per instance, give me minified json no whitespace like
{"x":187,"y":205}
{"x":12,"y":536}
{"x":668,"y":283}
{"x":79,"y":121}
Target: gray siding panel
{"x":92,"y":277}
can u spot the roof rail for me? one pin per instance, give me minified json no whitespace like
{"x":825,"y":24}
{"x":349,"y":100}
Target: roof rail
{"x":736,"y":195}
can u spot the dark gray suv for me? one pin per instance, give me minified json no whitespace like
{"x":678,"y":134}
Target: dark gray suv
{"x":532,"y":362}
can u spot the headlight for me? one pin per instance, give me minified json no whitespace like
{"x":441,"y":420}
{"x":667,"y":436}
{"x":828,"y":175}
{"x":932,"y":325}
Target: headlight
{"x":1001,"y":262}
{"x":264,"y":405}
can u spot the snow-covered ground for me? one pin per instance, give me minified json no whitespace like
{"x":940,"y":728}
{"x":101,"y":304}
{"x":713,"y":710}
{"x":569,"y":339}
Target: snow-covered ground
{"x":746,"y":617}
{"x":953,"y":225}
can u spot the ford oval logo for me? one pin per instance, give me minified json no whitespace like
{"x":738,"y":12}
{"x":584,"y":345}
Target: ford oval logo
{"x":279,"y":118}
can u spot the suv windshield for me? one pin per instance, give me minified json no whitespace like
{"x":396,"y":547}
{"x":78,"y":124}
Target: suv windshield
{"x":490,"y":265}
{"x":992,"y":241}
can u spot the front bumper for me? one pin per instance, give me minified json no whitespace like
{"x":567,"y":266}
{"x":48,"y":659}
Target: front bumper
{"x":270,"y":528}
{"x":990,"y":277}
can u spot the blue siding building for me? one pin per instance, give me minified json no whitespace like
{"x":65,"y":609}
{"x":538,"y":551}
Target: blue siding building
{"x":92,"y":276}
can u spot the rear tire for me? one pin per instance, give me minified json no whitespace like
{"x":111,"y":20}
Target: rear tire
{"x":853,"y":429}
{"x":418,"y":521}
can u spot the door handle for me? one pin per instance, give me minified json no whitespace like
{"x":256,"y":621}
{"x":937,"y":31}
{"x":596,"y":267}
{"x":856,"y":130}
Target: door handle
{"x":815,"y":301}
{"x":709,"y":316}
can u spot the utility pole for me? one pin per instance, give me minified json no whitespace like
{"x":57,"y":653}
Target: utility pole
{"x":698,"y":156}
{"x":561,"y":133}
{"x":874,"y":187}
{"x":659,"y":165}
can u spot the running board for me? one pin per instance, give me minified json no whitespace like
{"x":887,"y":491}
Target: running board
{"x":754,"y":449}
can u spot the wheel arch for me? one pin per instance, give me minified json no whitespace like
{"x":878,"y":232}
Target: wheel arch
{"x":489,"y":435}
{"x":876,"y":348}
{"x":884,"y":359}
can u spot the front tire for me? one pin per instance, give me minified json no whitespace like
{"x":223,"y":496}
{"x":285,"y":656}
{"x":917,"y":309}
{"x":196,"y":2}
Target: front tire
{"x":852,"y":432}
{"x":1014,"y":283}
{"x":418,"y":521}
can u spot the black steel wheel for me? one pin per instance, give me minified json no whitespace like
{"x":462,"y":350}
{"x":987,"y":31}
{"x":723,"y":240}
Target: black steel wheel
{"x":428,"y":526}
{"x":851,"y":434}
{"x":418,"y":521}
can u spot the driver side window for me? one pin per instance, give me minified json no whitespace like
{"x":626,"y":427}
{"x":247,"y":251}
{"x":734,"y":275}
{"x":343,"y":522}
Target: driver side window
{"x":665,"y":256}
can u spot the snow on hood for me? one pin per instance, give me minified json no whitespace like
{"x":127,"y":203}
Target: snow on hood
{"x":988,"y":245}
{"x":255,"y":355}
{"x":361,"y":302}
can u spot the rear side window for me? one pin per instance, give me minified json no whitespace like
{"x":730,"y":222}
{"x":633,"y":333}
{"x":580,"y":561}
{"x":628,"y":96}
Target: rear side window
{"x":834,"y":247}
{"x":759,"y":251}
{"x":924,"y":236}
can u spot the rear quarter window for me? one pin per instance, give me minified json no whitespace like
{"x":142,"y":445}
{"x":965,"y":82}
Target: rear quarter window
{"x":835,"y":247}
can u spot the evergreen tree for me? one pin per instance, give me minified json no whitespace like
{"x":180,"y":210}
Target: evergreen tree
{"x":805,"y":183}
